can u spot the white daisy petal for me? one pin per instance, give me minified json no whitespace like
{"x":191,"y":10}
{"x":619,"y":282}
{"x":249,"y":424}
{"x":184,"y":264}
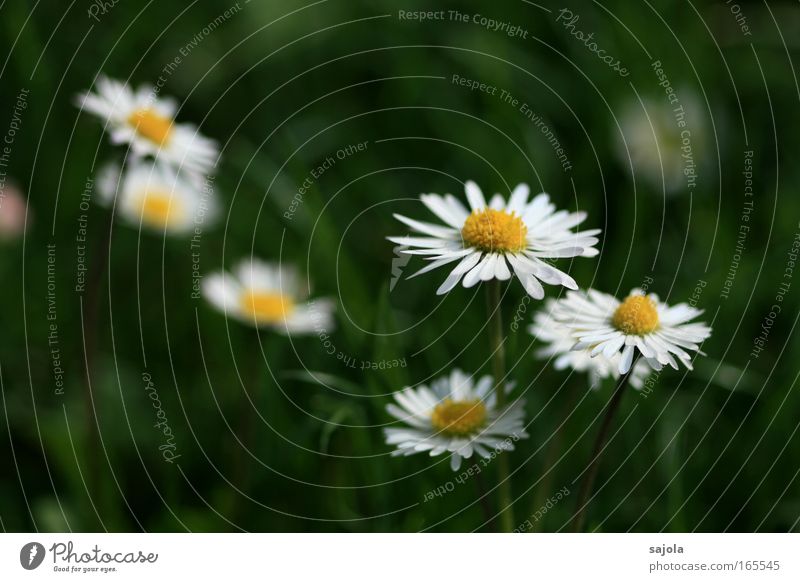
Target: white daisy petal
{"x":449,"y":283}
{"x":474,"y":196}
{"x":533,"y":287}
{"x":501,"y":270}
{"x":497,"y":202}
{"x":472,"y":278}
{"x":414,"y":241}
{"x":436,"y":264}
{"x":427,"y":228}
{"x":457,"y":208}
{"x":443,"y":210}
{"x":455,"y":275}
{"x":489,"y":265}
{"x":626,"y":360}
{"x":519,"y":198}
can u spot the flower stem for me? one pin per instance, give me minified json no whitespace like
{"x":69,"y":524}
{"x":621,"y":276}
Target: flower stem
{"x":493,"y":300}
{"x":91,"y":324}
{"x":247,"y":418}
{"x":598,"y":449}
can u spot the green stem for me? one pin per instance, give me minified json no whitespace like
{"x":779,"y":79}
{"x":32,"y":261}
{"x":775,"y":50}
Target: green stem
{"x":599,"y":446}
{"x":91,"y":324}
{"x":247,"y":419}
{"x":493,"y":300}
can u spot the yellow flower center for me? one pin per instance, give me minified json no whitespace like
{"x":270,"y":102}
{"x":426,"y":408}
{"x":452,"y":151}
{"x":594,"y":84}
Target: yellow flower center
{"x":494,"y":231}
{"x":637,"y":315}
{"x":159,"y":209}
{"x":266,"y":307}
{"x":458,"y":418}
{"x":151,"y":125}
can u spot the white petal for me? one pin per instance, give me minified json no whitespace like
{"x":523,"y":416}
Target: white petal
{"x":533,"y":287}
{"x":627,"y":358}
{"x":501,"y":271}
{"x":420,"y":241}
{"x":613,"y":346}
{"x":474,"y":196}
{"x":489,"y":265}
{"x":455,"y":275}
{"x":440,"y":208}
{"x":436,"y":264}
{"x":497,"y":202}
{"x":472,"y":278}
{"x":519,"y":197}
{"x":427,"y":228}
{"x":448,"y":284}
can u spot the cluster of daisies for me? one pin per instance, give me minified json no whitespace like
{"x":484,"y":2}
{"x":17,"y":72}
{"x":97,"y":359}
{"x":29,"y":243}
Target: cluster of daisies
{"x":159,"y":184}
{"x":587,"y":331}
{"x":163,"y":186}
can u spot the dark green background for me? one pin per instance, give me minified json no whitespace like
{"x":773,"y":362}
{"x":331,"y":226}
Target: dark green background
{"x":282,"y":87}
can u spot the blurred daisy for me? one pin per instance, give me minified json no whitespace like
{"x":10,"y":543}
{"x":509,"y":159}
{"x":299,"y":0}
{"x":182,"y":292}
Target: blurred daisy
{"x":493,"y":240}
{"x":268,"y":295}
{"x":146,"y":122}
{"x":454,"y":416}
{"x":603,"y":325}
{"x":651,"y":140}
{"x":560,"y":341}
{"x":156,"y":197}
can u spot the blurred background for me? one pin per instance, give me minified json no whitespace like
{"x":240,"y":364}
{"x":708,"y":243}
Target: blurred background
{"x":283,"y":86}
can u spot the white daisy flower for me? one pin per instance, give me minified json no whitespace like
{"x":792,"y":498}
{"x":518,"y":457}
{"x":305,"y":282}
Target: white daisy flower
{"x":147,"y":123}
{"x":604,"y":325}
{"x":455,"y":416}
{"x":268,"y":295}
{"x":560,"y":341}
{"x":493,"y":240}
{"x":157,"y":198}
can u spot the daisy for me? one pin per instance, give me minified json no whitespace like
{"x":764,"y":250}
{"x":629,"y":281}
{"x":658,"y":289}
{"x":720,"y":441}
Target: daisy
{"x":560,"y":341}
{"x":455,"y":416}
{"x":268,"y":295}
{"x":156,"y":197}
{"x":147,"y":124}
{"x":650,"y":139}
{"x":492,"y":241}
{"x":604,"y":325}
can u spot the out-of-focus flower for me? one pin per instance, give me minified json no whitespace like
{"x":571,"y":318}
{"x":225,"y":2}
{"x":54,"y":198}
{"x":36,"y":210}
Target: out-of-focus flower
{"x":604,"y":325}
{"x":456,"y":416}
{"x":268,"y":295}
{"x":493,"y":240}
{"x":146,"y":122}
{"x":655,"y":143}
{"x":157,"y":198}
{"x":13,"y":211}
{"x":560,"y":341}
